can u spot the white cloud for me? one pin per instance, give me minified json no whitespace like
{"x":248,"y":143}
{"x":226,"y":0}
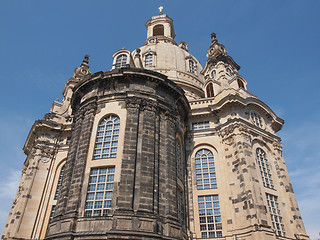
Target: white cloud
{"x":308,"y":196}
{"x":302,"y":155}
{"x":8,"y":189}
{"x":9,"y":185}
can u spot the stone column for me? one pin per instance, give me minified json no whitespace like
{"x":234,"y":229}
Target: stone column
{"x":128,"y":168}
{"x":70,"y":195}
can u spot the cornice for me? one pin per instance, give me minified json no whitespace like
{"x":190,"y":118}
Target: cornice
{"x":43,"y":126}
{"x":237,"y":99}
{"x":226,"y":130}
{"x":94,"y":82}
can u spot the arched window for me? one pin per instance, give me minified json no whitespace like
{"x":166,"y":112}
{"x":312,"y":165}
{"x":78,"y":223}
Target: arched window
{"x":264,"y":168}
{"x":56,"y":195}
{"x":256,"y":119}
{"x":179,"y":160}
{"x":229,"y":72}
{"x":205,"y":170}
{"x":191,"y":66}
{"x":107,"y":138}
{"x":240,"y":84}
{"x":148,"y":60}
{"x":209,"y":90}
{"x":213,"y":74}
{"x":121,"y":61}
{"x":158,"y":30}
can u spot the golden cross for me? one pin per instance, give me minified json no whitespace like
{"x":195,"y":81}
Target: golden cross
{"x":160,"y":9}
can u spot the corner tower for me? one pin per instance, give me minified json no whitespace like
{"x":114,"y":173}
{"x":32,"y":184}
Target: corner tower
{"x":238,"y":182}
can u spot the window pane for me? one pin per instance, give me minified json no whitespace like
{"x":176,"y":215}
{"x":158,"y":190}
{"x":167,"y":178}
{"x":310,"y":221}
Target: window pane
{"x":109,"y":128}
{"x":209,"y":216}
{"x":264,"y":168}
{"x":205,"y":165}
{"x":275,"y":216}
{"x":99,"y":192}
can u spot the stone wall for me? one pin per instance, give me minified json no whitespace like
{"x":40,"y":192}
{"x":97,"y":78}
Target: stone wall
{"x":145,"y":200}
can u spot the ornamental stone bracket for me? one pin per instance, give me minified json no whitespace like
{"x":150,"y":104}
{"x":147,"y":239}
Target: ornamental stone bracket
{"x":233,"y":130}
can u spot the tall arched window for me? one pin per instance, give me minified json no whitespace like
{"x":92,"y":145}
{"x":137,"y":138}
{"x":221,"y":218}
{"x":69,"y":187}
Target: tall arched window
{"x":158,"y":30}
{"x":209,"y":90}
{"x":148,"y":60}
{"x":107,"y":138}
{"x":264,"y":168}
{"x":121,"y":61}
{"x":240,"y":84}
{"x":191,"y":66}
{"x":205,"y":170}
{"x":56,"y":195}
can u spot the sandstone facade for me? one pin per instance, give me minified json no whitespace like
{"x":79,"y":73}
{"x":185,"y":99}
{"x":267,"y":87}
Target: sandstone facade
{"x":156,"y":148}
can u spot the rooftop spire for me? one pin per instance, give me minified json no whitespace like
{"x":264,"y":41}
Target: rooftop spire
{"x":216,"y":49}
{"x":214,"y":37}
{"x":85,"y":61}
{"x":83,"y":70}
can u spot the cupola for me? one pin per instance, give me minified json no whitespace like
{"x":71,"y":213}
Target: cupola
{"x":160,"y":28}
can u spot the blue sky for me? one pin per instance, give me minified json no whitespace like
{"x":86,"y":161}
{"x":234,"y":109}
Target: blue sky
{"x":276,"y":43}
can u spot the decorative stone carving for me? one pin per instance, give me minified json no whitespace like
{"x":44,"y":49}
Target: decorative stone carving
{"x":216,"y":49}
{"x":44,"y":159}
{"x":83,"y":70}
{"x":229,"y":141}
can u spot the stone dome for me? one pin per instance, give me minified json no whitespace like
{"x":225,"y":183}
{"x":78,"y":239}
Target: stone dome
{"x":162,"y":54}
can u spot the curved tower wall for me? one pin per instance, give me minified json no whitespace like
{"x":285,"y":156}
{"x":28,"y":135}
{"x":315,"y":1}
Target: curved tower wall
{"x":152,"y":112}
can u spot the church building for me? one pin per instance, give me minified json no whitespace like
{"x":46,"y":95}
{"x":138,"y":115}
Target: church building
{"x":158,"y":147}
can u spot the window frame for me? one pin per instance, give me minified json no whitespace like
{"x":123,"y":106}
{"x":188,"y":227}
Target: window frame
{"x":59,"y":183}
{"x":179,"y":159}
{"x":205,"y":170}
{"x":99,"y":183}
{"x":148,"y":59}
{"x":123,"y":61}
{"x":209,"y":90}
{"x":210,"y":216}
{"x":256,"y":119}
{"x":241,"y":84}
{"x":158,"y":30}
{"x":264,"y":167}
{"x":192,"y":66}
{"x":275,"y":214}
{"x":107,"y":138}
{"x":200,"y":125}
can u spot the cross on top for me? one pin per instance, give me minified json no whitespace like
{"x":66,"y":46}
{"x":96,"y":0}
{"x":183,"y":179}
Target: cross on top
{"x":160,"y":9}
